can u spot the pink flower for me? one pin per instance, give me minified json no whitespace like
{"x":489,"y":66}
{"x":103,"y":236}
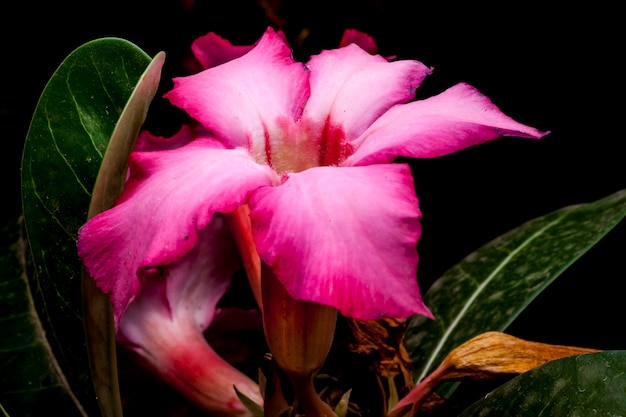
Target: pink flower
{"x":311,"y":150}
{"x":164,"y":324}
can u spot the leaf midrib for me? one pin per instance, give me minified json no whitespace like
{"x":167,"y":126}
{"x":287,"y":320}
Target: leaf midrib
{"x":479,"y":289}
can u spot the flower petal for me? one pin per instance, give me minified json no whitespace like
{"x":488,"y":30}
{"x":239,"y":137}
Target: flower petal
{"x":243,"y":100}
{"x":178,"y":353}
{"x":453,"y":120}
{"x":186,"y":291}
{"x":198,"y":280}
{"x":212,"y":50}
{"x":365,"y":41}
{"x":344,"y":237}
{"x":351,"y":88}
{"x":164,"y":324}
{"x":146,"y":141}
{"x":169,"y":197}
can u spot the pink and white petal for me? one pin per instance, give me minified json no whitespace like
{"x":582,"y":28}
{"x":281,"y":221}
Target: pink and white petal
{"x":351,"y":88}
{"x":212,"y":50}
{"x":169,"y":197}
{"x":149,"y":309}
{"x":344,"y":237}
{"x":186,"y":291}
{"x":178,"y":353}
{"x":453,"y":120}
{"x":243,"y":100}
{"x":198,"y":281}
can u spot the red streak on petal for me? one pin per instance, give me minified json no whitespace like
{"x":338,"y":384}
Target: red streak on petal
{"x":268,"y":147}
{"x":333,"y":147}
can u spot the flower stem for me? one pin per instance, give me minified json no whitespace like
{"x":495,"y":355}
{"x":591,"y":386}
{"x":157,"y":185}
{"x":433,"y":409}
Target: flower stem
{"x":239,"y":222}
{"x":309,"y":400}
{"x":410,"y":404}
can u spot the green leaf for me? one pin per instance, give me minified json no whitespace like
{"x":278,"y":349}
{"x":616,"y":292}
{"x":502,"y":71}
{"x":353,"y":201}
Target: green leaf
{"x":341,"y":409}
{"x":593,"y":384}
{"x":255,"y":409}
{"x":68,"y":136}
{"x":489,"y":288}
{"x":31,"y":383}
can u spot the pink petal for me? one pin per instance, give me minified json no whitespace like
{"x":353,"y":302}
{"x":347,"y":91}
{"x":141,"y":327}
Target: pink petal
{"x":453,"y":120}
{"x":168,"y":198}
{"x":177,"y":352}
{"x":344,"y":237}
{"x":212,"y":50}
{"x":362,"y":39}
{"x":198,"y":280}
{"x":351,"y":88}
{"x":188,"y":290}
{"x":164,"y":324}
{"x":146,"y":141}
{"x":243,"y":100}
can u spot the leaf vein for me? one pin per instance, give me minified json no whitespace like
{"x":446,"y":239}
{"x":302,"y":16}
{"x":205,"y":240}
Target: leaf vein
{"x":43,"y":203}
{"x":56,"y":146}
{"x":479,"y":289}
{"x":80,"y":114}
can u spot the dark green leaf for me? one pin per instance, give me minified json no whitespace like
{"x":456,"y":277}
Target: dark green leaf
{"x":69,"y":134}
{"x":593,"y":384}
{"x":30,"y":381}
{"x":490,"y":287}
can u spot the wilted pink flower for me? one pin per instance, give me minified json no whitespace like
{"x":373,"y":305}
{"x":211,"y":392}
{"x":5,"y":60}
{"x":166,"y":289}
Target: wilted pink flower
{"x":311,"y":149}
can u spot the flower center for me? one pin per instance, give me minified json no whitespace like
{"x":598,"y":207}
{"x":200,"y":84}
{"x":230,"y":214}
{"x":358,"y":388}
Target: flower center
{"x":301,"y":145}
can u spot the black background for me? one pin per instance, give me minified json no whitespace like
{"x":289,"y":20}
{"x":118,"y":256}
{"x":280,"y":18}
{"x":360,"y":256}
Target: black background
{"x":556,"y":69}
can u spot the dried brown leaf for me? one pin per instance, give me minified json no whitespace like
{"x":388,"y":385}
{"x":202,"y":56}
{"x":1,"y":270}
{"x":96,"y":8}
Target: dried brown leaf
{"x":381,"y":341}
{"x":492,"y":354}
{"x":485,"y":356}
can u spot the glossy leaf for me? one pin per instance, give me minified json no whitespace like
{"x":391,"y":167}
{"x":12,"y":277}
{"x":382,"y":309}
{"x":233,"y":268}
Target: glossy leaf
{"x":592,"y":384}
{"x":489,"y":288}
{"x":68,"y":136}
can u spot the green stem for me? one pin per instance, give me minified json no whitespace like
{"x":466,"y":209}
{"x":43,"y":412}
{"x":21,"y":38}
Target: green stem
{"x":309,"y":400}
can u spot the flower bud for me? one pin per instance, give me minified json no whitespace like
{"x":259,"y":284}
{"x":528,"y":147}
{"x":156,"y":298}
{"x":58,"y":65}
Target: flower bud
{"x":300,"y":335}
